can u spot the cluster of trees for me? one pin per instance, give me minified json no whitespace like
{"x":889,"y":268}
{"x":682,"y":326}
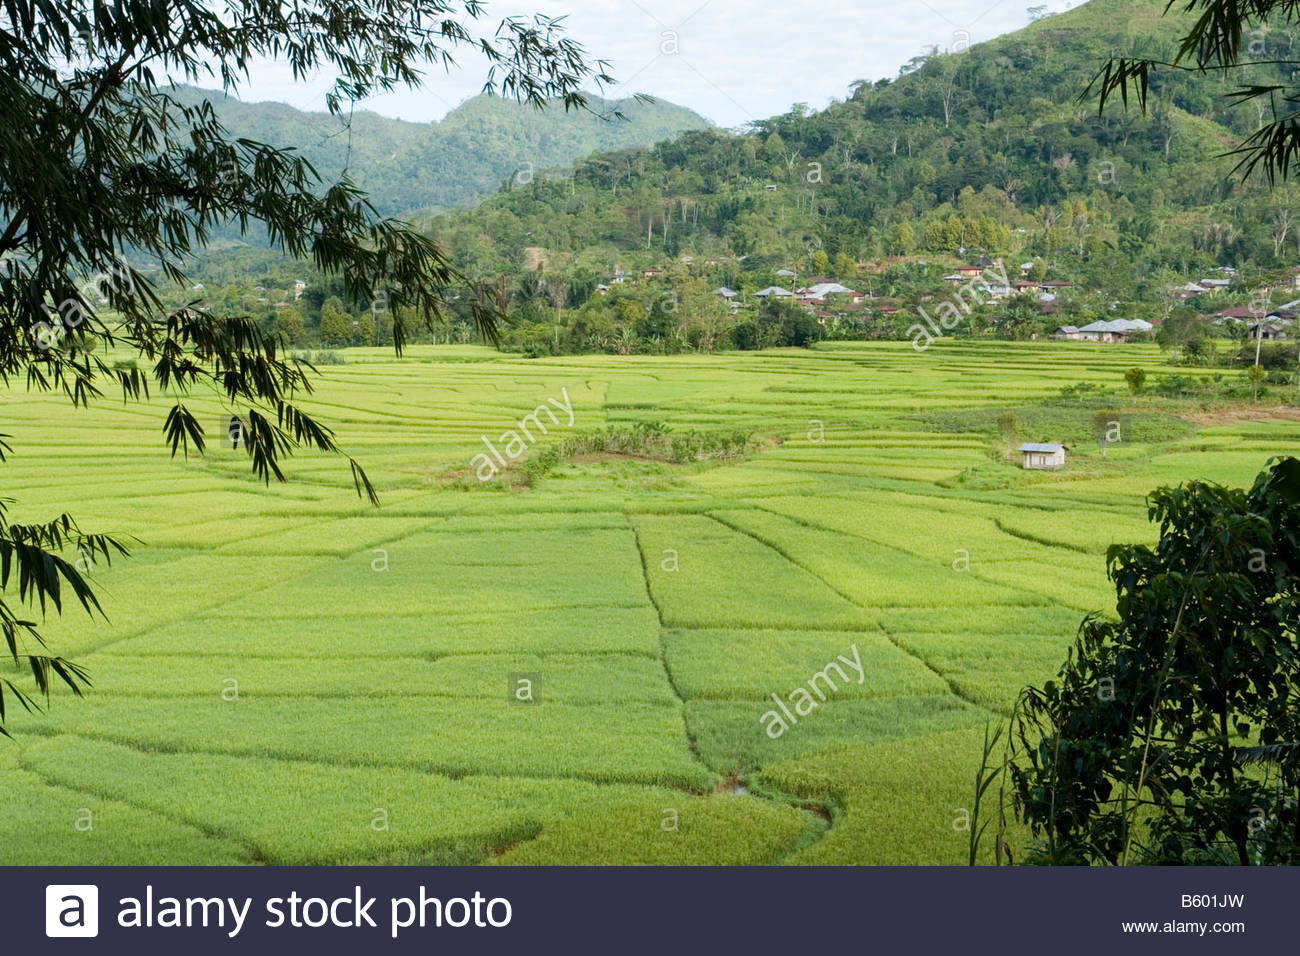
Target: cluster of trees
{"x":686,"y":315}
{"x":987,"y":150}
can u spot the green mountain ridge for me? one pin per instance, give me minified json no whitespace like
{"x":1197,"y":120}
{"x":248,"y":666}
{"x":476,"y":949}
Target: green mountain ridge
{"x":406,"y":166}
{"x":988,"y":149}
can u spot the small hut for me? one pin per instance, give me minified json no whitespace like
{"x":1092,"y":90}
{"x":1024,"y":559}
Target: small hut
{"x":1042,"y":457}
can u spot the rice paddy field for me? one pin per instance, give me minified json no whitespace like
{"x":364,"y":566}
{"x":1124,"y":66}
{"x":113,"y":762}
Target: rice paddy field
{"x":287,"y":675}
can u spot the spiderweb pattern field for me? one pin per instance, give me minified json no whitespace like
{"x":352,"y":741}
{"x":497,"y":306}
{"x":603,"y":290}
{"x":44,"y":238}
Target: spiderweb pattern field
{"x":289,"y":676}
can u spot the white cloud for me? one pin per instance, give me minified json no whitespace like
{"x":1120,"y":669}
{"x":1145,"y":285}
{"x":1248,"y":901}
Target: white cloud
{"x":732,"y":62}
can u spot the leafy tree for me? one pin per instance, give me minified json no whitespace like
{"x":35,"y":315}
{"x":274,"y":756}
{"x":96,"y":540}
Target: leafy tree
{"x":1021,"y":317}
{"x":845,"y":268}
{"x":290,"y":324}
{"x":1107,"y":425}
{"x":1173,"y":733}
{"x":821,"y":263}
{"x":785,"y":323}
{"x":1256,"y":375}
{"x":906,"y":239}
{"x":102,"y":163}
{"x":1136,"y":379}
{"x":1008,"y":427}
{"x":1182,"y":327}
{"x":335,"y":322}
{"x":366,"y":328}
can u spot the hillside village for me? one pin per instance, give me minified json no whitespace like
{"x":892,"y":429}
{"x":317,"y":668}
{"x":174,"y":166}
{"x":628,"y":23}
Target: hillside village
{"x":898,"y":213}
{"x":842,"y":309}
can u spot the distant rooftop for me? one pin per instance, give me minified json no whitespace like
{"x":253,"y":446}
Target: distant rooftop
{"x":1119,"y":325}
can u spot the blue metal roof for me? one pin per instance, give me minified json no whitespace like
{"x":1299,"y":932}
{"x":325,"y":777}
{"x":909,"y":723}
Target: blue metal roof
{"x":1048,"y":449}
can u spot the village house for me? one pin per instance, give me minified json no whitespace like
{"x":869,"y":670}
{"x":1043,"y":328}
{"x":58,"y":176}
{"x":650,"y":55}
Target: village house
{"x":775,"y":291}
{"x":1287,"y":311}
{"x":1116,"y":330}
{"x":1069,"y":332}
{"x":997,"y":290}
{"x":822,"y":289}
{"x":1267,"y":331}
{"x":1042,"y":457}
{"x":1241,"y":313}
{"x":651,"y":273}
{"x":1184,"y":292}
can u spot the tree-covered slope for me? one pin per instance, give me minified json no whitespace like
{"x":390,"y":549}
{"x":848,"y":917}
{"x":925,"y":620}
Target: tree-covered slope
{"x":990,"y":148}
{"x":483,"y":142}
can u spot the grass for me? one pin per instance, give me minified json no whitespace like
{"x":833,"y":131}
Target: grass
{"x":283,"y":668}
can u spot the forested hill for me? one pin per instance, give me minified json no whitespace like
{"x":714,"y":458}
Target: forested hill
{"x":988,"y":148}
{"x":468,"y":155}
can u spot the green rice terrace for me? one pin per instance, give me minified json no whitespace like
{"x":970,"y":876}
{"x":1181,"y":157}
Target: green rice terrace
{"x":743,"y":609}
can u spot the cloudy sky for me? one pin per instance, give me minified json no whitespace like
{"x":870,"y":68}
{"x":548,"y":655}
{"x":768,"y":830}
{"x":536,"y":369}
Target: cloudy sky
{"x":731,"y":60}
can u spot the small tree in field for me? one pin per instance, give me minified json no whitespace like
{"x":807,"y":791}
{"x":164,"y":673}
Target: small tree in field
{"x":1137,"y":381}
{"x":1109,"y":427}
{"x":1173,"y":734}
{"x":1008,"y":427}
{"x":1256,"y":375}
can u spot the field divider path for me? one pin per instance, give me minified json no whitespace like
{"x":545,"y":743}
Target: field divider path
{"x":953,"y":688}
{"x":1035,"y":539}
{"x":454,"y":774}
{"x":256,"y":855}
{"x":817,"y":832}
{"x":813,"y":526}
{"x":663,"y":650}
{"x":319,"y":560}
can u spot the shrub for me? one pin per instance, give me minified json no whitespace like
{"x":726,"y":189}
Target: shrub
{"x":1171,"y":734}
{"x":1085,"y":392}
